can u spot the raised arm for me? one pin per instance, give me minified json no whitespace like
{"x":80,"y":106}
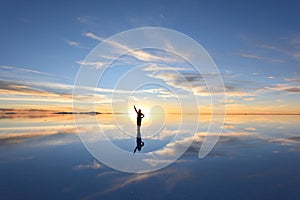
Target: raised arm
{"x":135,"y":109}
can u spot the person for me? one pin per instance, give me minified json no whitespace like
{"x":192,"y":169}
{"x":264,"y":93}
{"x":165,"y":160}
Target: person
{"x":139,"y":117}
{"x":139,"y":142}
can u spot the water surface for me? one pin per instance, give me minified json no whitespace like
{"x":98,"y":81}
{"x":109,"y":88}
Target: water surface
{"x":256,"y":157}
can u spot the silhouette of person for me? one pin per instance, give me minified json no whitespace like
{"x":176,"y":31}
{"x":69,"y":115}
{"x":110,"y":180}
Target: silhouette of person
{"x":139,"y":117}
{"x":139,"y":142}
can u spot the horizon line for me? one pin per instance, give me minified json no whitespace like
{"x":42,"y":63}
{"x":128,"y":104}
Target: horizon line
{"x":10,"y":111}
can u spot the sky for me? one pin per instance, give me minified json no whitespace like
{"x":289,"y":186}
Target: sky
{"x":255,"y":45}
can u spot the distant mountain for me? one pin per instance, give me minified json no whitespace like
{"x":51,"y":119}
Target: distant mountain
{"x":78,"y":113}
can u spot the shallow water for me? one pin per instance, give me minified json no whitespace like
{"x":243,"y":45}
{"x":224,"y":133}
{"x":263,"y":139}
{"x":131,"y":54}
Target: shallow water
{"x":256,"y":157}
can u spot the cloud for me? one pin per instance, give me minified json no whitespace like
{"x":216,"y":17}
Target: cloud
{"x":84,"y":19}
{"x":284,"y":87}
{"x":257,"y":57}
{"x":89,"y":20}
{"x":156,"y":67}
{"x":17,"y":69}
{"x":72,"y":43}
{"x":97,"y":65}
{"x":190,"y":82}
{"x":195,"y":83}
{"x":289,"y":48}
{"x":249,"y":99}
{"x":7,"y":87}
{"x":295,"y":40}
{"x":93,"y":36}
{"x":57,"y":91}
{"x":138,"y":54}
{"x":294,"y":80}
{"x":272,"y":47}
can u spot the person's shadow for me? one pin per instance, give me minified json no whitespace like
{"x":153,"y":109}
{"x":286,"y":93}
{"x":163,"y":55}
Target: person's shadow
{"x":139,"y":142}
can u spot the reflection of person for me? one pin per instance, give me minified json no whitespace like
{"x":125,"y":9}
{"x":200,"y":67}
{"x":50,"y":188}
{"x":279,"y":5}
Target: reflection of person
{"x":139,"y":143}
{"x":139,"y":117}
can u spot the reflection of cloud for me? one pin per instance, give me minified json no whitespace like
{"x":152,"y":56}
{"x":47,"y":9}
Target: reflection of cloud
{"x":17,"y":159}
{"x":123,"y":182}
{"x":48,"y":130}
{"x":20,"y":135}
{"x":285,"y":141}
{"x":173,"y":148}
{"x":294,"y":149}
{"x":250,"y":129}
{"x":94,"y":165}
{"x":171,"y":176}
{"x":108,"y":173}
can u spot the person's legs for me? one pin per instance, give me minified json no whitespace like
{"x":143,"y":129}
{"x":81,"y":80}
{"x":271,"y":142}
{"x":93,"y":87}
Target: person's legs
{"x":138,"y":122}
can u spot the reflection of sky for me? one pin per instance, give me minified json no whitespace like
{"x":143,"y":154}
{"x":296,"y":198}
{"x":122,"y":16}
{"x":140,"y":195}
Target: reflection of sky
{"x":257,"y":157}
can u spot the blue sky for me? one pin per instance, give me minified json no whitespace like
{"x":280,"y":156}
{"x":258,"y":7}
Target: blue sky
{"x":256,"y":44}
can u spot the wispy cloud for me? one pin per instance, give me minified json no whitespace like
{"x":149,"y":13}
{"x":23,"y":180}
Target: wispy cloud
{"x":84,"y":19}
{"x":16,"y":135}
{"x":18,"y":69}
{"x":288,"y":47}
{"x":284,"y":87}
{"x":172,"y":178}
{"x":249,"y":99}
{"x":93,"y":36}
{"x":272,"y":47}
{"x":72,"y":43}
{"x":96,"y":65}
{"x":89,"y":20}
{"x":285,"y":141}
{"x":258,"y":57}
{"x":138,"y":54}
{"x":294,"y":80}
{"x":7,"y":87}
{"x":194,"y":82}
{"x":123,"y":182}
{"x":156,"y":67}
